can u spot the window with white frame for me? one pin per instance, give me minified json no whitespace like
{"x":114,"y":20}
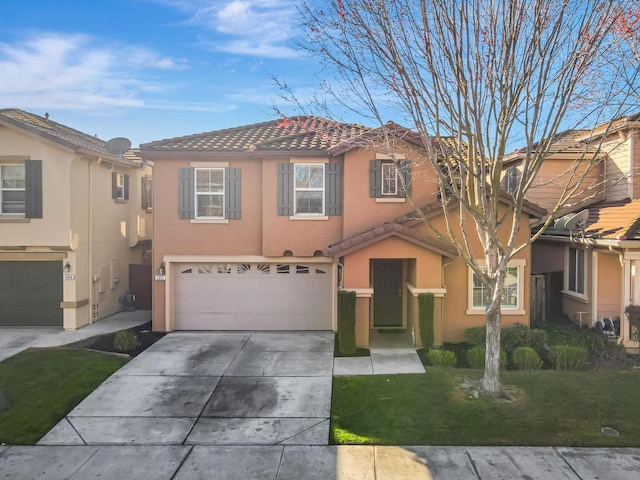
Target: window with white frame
{"x":120,"y":187}
{"x":309,"y":189}
{"x":389,"y":179}
{"x":510,"y":291}
{"x":575,"y":271}
{"x":12,"y":189}
{"x":209,"y":192}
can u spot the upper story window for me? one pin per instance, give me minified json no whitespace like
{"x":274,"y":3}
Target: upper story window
{"x":147,"y":193}
{"x":575,"y":278}
{"x":12,"y":189}
{"x":209,"y":192}
{"x":119,"y":186}
{"x":309,"y":189}
{"x":511,"y":179}
{"x":390,"y":179}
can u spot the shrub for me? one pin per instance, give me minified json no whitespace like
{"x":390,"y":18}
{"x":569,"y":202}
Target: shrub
{"x":526,"y":358}
{"x":476,"y":335}
{"x":522,"y":336}
{"x":425,"y":319}
{"x":442,"y":358}
{"x":567,"y":357}
{"x":475,"y":357}
{"x":632,"y":313}
{"x":125,"y":341}
{"x":347,"y":322}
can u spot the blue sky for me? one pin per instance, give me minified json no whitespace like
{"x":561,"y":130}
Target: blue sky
{"x":149,"y":69}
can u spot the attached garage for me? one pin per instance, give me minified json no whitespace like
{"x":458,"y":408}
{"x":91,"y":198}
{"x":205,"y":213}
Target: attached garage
{"x":253,"y":296}
{"x":30,"y":293}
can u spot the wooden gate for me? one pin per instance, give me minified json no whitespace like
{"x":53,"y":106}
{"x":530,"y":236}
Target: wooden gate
{"x":538,"y":310}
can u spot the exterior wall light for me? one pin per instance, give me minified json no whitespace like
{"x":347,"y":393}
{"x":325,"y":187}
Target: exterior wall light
{"x":67,"y":267}
{"x":161,"y":269}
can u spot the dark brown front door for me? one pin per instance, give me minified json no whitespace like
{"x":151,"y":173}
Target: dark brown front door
{"x":140,"y":285}
{"x":387,"y":293}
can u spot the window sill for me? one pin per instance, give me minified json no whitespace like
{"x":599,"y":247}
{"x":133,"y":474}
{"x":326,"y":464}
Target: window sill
{"x":148,"y":210}
{"x":505,"y":311}
{"x":579,"y":297}
{"x":13,"y":219}
{"x":120,"y":200}
{"x":308,"y":217}
{"x":209,"y":220}
{"x":391,"y":200}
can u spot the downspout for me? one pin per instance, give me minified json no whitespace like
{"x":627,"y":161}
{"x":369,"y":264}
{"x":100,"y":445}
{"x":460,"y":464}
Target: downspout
{"x":631,"y":167}
{"x":442,"y":301}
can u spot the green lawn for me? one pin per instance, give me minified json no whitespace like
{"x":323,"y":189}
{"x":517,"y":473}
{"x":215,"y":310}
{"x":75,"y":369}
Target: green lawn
{"x":556,"y":409}
{"x":43,"y":385}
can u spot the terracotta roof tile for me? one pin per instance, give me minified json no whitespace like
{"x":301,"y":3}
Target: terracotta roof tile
{"x":52,"y":130}
{"x":303,"y":133}
{"x":618,"y":221}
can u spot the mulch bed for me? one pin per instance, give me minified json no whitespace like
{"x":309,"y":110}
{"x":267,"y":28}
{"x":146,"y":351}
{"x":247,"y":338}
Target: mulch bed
{"x":143,"y":333}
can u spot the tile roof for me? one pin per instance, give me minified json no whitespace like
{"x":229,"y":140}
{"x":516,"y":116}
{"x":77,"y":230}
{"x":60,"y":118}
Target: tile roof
{"x":567,"y":142}
{"x":303,"y":133}
{"x":54,"y":131}
{"x":619,"y":221}
{"x":389,"y":229}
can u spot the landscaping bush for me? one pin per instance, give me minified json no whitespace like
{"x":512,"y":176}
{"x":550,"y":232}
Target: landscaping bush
{"x":522,"y":336}
{"x":347,"y":322}
{"x":475,"y":357}
{"x":525,"y":358}
{"x":425,"y":319}
{"x":567,"y":357}
{"x":632,"y":313}
{"x":476,"y":335}
{"x":442,"y":358}
{"x":125,"y":341}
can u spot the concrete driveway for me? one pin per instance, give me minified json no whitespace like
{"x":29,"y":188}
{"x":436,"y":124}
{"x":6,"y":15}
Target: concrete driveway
{"x":262,"y":388}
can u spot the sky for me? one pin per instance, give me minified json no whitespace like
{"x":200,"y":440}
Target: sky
{"x":150,"y":69}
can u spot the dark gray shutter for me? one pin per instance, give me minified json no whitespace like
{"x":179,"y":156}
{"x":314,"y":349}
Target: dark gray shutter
{"x":375,"y":178}
{"x":114,"y":185}
{"x":186,"y":193}
{"x":405,"y":171}
{"x":333,"y":186}
{"x":285,"y":188}
{"x":126,"y":186}
{"x":232,"y":193}
{"x":33,"y":188}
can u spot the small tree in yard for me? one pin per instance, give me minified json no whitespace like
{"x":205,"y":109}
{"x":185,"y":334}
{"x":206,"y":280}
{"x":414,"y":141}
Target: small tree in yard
{"x":489,"y":74}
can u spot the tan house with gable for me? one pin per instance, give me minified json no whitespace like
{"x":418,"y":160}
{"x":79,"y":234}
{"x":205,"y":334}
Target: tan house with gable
{"x":258,"y":227}
{"x":589,"y":257}
{"x":73,"y":218}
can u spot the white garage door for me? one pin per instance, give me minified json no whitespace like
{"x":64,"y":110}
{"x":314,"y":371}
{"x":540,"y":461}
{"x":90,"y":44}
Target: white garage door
{"x":253,"y":296}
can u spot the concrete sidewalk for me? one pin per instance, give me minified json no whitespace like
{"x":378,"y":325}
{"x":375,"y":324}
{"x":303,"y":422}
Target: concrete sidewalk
{"x":14,"y":340}
{"x":317,"y":462}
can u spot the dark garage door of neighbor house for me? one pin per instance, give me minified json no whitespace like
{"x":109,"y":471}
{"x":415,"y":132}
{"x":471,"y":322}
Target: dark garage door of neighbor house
{"x":30,"y":293}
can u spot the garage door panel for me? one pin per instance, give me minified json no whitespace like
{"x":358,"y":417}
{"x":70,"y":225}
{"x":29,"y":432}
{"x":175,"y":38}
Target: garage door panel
{"x":253,"y":297}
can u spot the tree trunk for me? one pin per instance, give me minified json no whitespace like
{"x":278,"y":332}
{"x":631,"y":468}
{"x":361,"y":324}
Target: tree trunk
{"x":491,"y":379}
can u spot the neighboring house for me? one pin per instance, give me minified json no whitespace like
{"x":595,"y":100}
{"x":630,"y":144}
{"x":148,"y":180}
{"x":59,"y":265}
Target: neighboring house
{"x":257,"y":227}
{"x":73,"y":218}
{"x":590,"y":255}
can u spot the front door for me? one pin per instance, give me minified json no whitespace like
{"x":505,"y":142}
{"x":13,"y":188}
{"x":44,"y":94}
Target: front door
{"x":387,"y":294}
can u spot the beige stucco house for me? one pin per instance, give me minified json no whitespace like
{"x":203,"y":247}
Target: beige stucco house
{"x":73,"y":218}
{"x":589,"y":258}
{"x":259,"y":226}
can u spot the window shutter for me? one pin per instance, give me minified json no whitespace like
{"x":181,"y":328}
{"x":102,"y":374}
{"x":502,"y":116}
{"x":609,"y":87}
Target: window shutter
{"x":285,"y":189}
{"x":333,"y":184}
{"x":511,"y":179}
{"x":185,"y":193}
{"x":33,"y":188}
{"x":126,"y":187}
{"x":375,"y":178}
{"x":114,"y":185}
{"x":145,"y":193}
{"x":232,"y":193}
{"x":405,"y":171}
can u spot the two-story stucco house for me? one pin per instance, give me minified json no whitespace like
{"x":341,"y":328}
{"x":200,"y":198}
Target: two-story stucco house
{"x":589,"y":257}
{"x":257,"y":227}
{"x":73,"y":218}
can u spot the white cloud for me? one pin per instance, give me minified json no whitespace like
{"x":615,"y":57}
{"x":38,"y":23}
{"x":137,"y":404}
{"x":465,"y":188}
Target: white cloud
{"x":245,"y":27}
{"x":75,"y":72}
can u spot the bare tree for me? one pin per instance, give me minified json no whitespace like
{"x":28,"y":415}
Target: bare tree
{"x":492,"y":74}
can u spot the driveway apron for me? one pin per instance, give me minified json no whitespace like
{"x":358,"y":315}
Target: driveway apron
{"x":212,"y":388}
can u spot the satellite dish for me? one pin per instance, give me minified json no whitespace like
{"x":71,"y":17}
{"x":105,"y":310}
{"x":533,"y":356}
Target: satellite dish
{"x":117,"y":146}
{"x":561,"y":223}
{"x":577,"y":221}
